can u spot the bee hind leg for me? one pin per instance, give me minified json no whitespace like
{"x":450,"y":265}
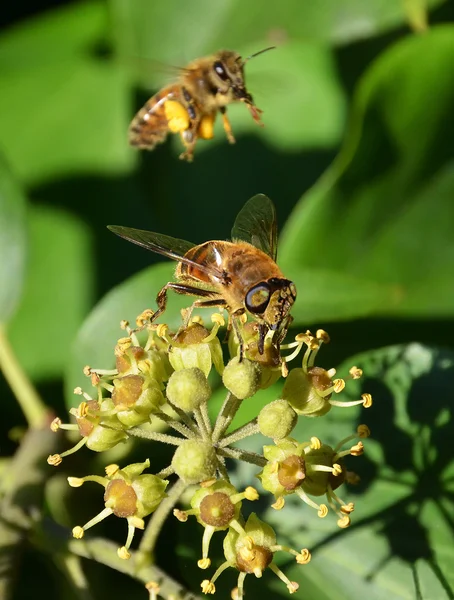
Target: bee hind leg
{"x":227,"y":126}
{"x":189,"y":140}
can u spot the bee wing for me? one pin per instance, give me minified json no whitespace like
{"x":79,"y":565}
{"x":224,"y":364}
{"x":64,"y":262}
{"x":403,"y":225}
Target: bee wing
{"x":165,"y":245}
{"x":256,"y":223}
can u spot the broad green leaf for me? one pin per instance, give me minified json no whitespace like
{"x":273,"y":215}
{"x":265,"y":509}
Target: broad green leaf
{"x":63,"y":107}
{"x":401,"y":542}
{"x":99,"y":333}
{"x":57,"y":292}
{"x":383,"y":213}
{"x":151,"y":29}
{"x":12,"y":242}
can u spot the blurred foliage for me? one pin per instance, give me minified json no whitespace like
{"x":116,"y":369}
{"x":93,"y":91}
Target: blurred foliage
{"x":357,"y":152}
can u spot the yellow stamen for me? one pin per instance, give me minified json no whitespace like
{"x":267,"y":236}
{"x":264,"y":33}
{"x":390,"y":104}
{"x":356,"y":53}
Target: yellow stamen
{"x":322,"y":336}
{"x":208,"y":587}
{"x":204,"y":563}
{"x":111,"y":470}
{"x":123,"y":553}
{"x":356,"y":372}
{"x":363,"y":431}
{"x":78,"y":532}
{"x":339,"y":385}
{"x":367,"y":400}
{"x":303,"y":557}
{"x":316,"y":444}
{"x":144,"y":318}
{"x":181,"y":515}
{"x":251,"y":493}
{"x":357,"y":449}
{"x":344,"y":522}
{"x":55,"y":425}
{"x":76,"y":481}
{"x":279,"y":504}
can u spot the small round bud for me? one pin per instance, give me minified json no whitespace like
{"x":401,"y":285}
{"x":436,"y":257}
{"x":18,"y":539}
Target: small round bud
{"x":277,"y":419}
{"x":194,"y":461}
{"x":302,"y":389}
{"x":243,"y":378}
{"x":188,"y":389}
{"x":190,"y":349}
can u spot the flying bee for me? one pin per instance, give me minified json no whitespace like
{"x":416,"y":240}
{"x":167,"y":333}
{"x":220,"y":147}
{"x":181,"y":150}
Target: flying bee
{"x":240,"y":276}
{"x":190,"y":105}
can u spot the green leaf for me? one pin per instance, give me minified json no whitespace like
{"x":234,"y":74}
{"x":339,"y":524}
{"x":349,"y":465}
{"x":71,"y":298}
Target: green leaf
{"x":383,"y":213}
{"x":57,"y":293}
{"x":151,"y":29}
{"x":12,"y":242}
{"x":63,"y":108}
{"x":401,"y":541}
{"x":99,"y":333}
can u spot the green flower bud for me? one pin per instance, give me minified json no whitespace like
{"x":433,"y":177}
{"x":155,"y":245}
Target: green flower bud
{"x":152,"y":363}
{"x":189,"y":350}
{"x":286,"y":468}
{"x":188,"y":389}
{"x":102,"y":433}
{"x":250,"y":552}
{"x":303,"y":391}
{"x":130,"y":493}
{"x":242,"y":378}
{"x":150,"y":491}
{"x":194,"y":461}
{"x":139,"y":397}
{"x":213,"y":506}
{"x":277,"y":419}
{"x":317,"y":481}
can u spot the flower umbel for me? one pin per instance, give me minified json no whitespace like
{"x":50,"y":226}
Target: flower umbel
{"x":161,"y":377}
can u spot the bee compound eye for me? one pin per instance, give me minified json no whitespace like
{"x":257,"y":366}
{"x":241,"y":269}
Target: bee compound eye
{"x":220,"y":71}
{"x":258,"y":297}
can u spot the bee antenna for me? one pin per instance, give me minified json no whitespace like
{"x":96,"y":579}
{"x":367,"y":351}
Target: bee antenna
{"x":259,"y":52}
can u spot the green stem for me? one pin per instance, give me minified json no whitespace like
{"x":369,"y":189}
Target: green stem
{"x":176,"y":425}
{"x":238,"y":454}
{"x":156,"y":522}
{"x":225,"y":416}
{"x":200,"y":423}
{"x":155,"y":435}
{"x":222,"y":468}
{"x":72,"y":568}
{"x":242,"y":432}
{"x":31,"y":404}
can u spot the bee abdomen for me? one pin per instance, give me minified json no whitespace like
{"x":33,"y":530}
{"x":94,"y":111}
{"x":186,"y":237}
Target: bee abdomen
{"x":150,"y":127}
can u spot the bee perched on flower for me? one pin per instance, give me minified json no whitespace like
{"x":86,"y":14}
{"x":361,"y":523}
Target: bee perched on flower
{"x":167,"y":377}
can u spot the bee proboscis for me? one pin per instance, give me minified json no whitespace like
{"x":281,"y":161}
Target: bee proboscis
{"x":240,"y":276}
{"x":190,"y":105}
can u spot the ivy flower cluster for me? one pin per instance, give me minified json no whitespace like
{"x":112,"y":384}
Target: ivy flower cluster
{"x":163,"y":377}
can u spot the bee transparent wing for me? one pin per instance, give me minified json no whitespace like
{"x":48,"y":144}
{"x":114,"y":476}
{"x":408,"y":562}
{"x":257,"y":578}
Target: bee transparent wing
{"x":256,"y":223}
{"x":165,"y":245}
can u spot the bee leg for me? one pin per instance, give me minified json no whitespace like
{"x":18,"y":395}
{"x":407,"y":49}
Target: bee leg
{"x":236,"y":327}
{"x":179,"y":288}
{"x":189,"y":139}
{"x":262,"y":334}
{"x":227,"y":126}
{"x":214,"y":302}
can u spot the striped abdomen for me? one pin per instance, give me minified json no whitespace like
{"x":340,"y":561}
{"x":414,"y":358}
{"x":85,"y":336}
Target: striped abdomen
{"x":207,"y":255}
{"x":150,"y":127}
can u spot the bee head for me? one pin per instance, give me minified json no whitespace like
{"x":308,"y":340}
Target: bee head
{"x":271,"y":301}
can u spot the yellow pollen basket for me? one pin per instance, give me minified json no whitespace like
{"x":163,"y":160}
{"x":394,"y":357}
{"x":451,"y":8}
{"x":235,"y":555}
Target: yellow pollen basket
{"x":176,"y":115}
{"x":206,"y":127}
